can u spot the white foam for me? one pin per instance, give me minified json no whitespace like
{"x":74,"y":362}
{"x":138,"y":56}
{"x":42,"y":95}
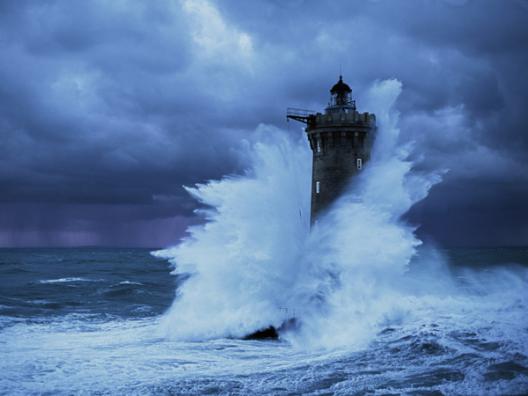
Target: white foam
{"x":69,"y":280}
{"x":130,"y":283}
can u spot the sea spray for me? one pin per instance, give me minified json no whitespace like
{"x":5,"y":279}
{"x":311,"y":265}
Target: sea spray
{"x":255,"y":262}
{"x":245,"y":259}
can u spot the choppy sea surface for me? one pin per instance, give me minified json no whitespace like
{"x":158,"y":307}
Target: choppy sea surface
{"x":87,"y":321}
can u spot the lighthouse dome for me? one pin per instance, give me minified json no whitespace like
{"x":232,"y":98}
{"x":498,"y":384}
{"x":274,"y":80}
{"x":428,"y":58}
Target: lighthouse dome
{"x":340,"y":88}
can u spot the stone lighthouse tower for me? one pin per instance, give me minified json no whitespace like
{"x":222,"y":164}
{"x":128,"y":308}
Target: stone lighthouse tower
{"x":341,"y":139}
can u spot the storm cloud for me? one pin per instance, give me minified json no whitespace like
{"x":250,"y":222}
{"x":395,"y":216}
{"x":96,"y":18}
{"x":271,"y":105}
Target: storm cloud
{"x":108,"y":108}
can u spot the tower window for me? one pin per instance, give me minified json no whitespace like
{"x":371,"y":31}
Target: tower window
{"x":317,"y":187}
{"x":318,"y":146}
{"x":359,"y":163}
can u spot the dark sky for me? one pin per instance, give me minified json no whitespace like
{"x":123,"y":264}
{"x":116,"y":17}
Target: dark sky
{"x":108,"y":107}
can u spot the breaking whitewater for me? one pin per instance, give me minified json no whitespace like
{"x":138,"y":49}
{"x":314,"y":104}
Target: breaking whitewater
{"x":379,"y":312}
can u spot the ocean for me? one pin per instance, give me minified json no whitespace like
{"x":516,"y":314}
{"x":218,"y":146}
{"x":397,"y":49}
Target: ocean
{"x":87,"y":321}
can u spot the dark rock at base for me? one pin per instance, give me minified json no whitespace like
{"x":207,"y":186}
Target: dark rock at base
{"x":271,"y":333}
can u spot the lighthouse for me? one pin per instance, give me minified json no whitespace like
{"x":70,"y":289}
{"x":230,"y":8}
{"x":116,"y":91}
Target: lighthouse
{"x":341,"y":139}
